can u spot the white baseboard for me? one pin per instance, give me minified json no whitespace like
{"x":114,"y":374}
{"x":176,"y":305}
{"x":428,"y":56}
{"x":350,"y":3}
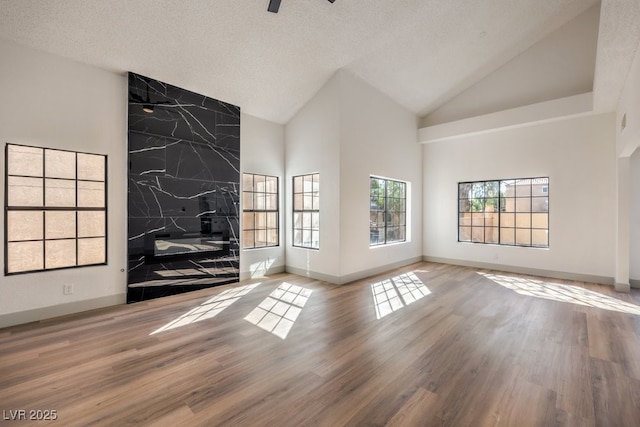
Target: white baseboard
{"x":347,"y":278}
{"x":43,"y":313}
{"x":246,"y":275}
{"x":525,"y":270}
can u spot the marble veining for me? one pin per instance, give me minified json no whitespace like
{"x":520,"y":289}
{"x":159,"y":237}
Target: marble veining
{"x":183,"y":192}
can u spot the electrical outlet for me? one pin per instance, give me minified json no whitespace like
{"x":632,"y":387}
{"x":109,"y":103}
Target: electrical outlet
{"x":67,"y":289}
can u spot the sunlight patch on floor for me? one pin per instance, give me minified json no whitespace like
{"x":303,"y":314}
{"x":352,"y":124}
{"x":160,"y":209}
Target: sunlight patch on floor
{"x":278,"y":312}
{"x":392,"y":294}
{"x":209,"y":308}
{"x":562,"y":293}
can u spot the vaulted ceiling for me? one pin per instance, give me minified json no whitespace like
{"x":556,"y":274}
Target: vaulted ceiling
{"x":421,"y":53}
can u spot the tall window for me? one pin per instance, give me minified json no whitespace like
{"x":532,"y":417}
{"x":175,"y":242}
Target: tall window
{"x":260,"y":211}
{"x":55,"y":209}
{"x":388,"y":211}
{"x":507,"y":212}
{"x":306,"y":211}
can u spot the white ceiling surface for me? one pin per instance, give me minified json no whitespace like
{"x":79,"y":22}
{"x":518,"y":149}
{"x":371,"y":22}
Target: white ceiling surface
{"x":421,"y":53}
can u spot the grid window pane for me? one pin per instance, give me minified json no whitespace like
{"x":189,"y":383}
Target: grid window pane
{"x":91,"y":167}
{"x":91,"y":251}
{"x":25,"y":256}
{"x":306,"y":211}
{"x":24,"y":161}
{"x":259,"y":211}
{"x":59,"y":253}
{"x":387,"y":211}
{"x":24,"y":191}
{"x":60,"y":164}
{"x":506,"y":212}
{"x":91,"y":194}
{"x":60,"y":193}
{"x":24,"y":225}
{"x":91,"y":224}
{"x":47,"y":215}
{"x":59,"y":225}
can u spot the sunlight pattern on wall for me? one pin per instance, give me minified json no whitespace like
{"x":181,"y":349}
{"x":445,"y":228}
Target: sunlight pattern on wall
{"x":279,"y":311}
{"x":562,"y":293}
{"x":392,"y":294}
{"x":209,"y":308}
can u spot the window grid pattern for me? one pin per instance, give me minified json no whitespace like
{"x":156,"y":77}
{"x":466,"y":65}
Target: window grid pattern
{"x":388,"y":211}
{"x":260,"y":219}
{"x":55,"y":209}
{"x":306,"y":211}
{"x":512,"y":212}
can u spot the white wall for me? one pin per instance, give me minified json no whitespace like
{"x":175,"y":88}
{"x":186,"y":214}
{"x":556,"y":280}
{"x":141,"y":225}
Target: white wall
{"x":312,"y":141}
{"x":51,"y":102}
{"x":578,"y":156}
{"x":262,"y":152}
{"x":560,"y":65}
{"x":379,"y":137}
{"x":634,"y":263}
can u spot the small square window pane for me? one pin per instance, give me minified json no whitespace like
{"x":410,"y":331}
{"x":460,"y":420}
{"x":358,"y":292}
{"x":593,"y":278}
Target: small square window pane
{"x":247,"y":182}
{"x":540,"y":238}
{"x":259,"y":183}
{"x":464,"y":205}
{"x":507,"y":220}
{"x":248,"y":239}
{"x":523,"y":220}
{"x":297,"y":202}
{"x":261,"y":220}
{"x":272,"y":184}
{"x":540,"y":220}
{"x":91,"y":224}
{"x":272,"y":237}
{"x":60,"y":253}
{"x":24,"y":191}
{"x":91,"y":194}
{"x":272,"y":220}
{"x":523,"y":204}
{"x":307,"y":202}
{"x":464,"y":219}
{"x":25,"y":161}
{"x":24,"y":225}
{"x":316,"y":203}
{"x":297,"y":184}
{"x":91,"y":167}
{"x":306,"y":220}
{"x":306,"y":238}
{"x":259,"y":201}
{"x":523,"y":237}
{"x":477,"y":219}
{"x":248,"y":220}
{"x":60,"y":193}
{"x":297,"y":237}
{"x":297,"y":220}
{"x":92,"y":251}
{"x":59,"y":164}
{"x":272,"y":202}
{"x":491,"y":235}
{"x":477,"y":234}
{"x":261,"y":238}
{"x":539,"y":204}
{"x":509,"y":204}
{"x":523,"y":187}
{"x":507,"y":236}
{"x":247,"y":201}
{"x":464,"y":190}
{"x":315,"y":238}
{"x":24,"y":256}
{"x":60,"y":225}
{"x":308,"y":183}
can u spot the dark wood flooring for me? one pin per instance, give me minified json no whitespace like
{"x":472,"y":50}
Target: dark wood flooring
{"x":439,"y":345}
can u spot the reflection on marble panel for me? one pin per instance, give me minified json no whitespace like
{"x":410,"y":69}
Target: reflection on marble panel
{"x":184,"y":181}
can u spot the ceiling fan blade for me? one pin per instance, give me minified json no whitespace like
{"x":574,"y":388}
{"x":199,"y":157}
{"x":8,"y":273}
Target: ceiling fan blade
{"x":274,"y":5}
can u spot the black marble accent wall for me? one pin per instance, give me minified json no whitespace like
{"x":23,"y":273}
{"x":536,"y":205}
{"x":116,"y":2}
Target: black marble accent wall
{"x":183,"y":194}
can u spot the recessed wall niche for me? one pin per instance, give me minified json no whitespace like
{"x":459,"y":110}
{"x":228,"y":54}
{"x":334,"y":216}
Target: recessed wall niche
{"x":183,"y":192}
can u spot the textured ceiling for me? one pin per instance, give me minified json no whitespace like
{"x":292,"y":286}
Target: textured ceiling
{"x":421,"y":53}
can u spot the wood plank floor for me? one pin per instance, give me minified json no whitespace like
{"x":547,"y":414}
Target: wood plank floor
{"x":425,"y":345}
